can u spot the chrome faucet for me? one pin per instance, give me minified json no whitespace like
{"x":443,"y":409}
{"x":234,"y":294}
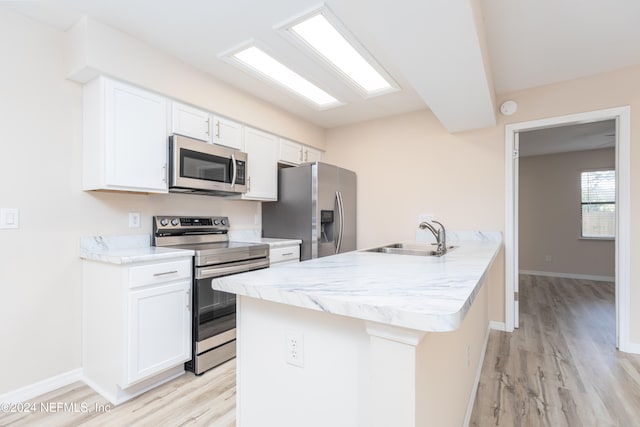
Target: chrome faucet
{"x":440,"y":234}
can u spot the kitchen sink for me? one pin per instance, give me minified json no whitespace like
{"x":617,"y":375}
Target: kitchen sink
{"x":420,"y":249}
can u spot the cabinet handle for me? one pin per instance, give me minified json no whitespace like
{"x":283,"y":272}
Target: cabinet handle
{"x":189,"y":300}
{"x":290,"y":253}
{"x":164,"y":173}
{"x":218,"y":129}
{"x":165,"y":273}
{"x":248,"y":184}
{"x":301,"y":154}
{"x":306,"y":156}
{"x":208,"y":126}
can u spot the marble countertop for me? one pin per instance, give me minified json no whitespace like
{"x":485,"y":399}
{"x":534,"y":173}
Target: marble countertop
{"x":126,"y":249}
{"x":416,"y":292}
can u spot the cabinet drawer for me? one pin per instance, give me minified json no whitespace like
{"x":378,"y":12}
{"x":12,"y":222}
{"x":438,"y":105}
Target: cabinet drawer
{"x":159,"y":272}
{"x":283,"y":254}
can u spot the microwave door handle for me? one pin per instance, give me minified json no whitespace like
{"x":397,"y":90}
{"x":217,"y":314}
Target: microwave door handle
{"x":235,"y":169}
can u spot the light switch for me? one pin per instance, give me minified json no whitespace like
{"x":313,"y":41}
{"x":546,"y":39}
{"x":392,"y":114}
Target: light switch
{"x":134,"y":219}
{"x":9,"y":218}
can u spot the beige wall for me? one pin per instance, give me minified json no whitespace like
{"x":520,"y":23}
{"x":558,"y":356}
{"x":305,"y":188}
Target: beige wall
{"x":409,"y":164}
{"x":549,"y":215}
{"x":40,"y":174}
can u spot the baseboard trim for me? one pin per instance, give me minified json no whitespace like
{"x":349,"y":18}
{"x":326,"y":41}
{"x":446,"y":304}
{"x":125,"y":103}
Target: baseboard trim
{"x":630,"y":347}
{"x":497,"y":326}
{"x":476,"y":381}
{"x":41,"y":387}
{"x":569,"y":275}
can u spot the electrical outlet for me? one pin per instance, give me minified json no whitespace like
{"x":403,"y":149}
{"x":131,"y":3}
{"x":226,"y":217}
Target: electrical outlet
{"x":294,"y":347}
{"x":548,"y":259}
{"x":134,"y":219}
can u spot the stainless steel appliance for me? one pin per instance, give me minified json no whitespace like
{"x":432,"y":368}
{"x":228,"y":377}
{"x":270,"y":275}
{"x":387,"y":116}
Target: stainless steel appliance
{"x":198,"y":167}
{"x":214,"y":313}
{"x":317,"y":204}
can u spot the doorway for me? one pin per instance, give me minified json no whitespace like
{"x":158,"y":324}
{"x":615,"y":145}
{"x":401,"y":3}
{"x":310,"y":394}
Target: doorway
{"x":621,"y":117}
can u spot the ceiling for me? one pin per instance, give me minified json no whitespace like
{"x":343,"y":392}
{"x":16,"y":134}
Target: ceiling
{"x":562,"y":139}
{"x":452,"y":57}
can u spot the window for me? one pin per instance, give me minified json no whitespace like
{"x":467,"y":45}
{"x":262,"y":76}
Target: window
{"x":599,"y":204}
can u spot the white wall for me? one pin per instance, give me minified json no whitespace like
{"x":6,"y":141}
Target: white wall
{"x":40,"y":173}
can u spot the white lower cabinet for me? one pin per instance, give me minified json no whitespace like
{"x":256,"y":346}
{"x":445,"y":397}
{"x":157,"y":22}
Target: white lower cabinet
{"x":281,"y":255}
{"x":136,"y":325}
{"x":159,"y":325}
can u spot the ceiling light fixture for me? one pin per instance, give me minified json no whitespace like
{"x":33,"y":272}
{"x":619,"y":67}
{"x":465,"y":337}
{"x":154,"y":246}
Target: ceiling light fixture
{"x":317,"y":33}
{"x":258,"y":61}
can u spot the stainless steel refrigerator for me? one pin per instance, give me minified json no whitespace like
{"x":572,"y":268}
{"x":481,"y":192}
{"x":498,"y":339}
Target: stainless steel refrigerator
{"x":316,"y":204}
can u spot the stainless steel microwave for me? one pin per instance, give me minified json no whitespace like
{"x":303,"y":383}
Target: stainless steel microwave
{"x":202,"y":168}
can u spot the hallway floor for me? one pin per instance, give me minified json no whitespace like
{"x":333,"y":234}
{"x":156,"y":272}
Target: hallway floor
{"x":561,"y":367}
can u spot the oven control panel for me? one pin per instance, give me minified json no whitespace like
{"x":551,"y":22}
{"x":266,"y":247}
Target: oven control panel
{"x":177,"y":223}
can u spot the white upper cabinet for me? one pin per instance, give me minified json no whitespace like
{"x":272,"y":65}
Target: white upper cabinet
{"x":290,"y":152}
{"x":124,"y":138}
{"x":293,"y":153}
{"x":311,"y":155}
{"x":190,"y":121}
{"x":227,"y":132}
{"x":262,"y":165}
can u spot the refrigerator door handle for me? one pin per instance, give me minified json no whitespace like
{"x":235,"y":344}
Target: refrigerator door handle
{"x":341,"y":215}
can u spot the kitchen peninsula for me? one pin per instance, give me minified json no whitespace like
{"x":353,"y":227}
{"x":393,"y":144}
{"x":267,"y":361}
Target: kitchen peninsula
{"x":363,"y":338}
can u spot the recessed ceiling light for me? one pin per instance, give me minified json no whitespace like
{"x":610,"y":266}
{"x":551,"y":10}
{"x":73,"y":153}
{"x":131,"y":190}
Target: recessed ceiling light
{"x":321,"y":36}
{"x":260,"y":62}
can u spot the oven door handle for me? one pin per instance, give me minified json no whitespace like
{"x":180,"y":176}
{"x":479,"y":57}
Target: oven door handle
{"x":212,"y":272}
{"x":235,"y":169}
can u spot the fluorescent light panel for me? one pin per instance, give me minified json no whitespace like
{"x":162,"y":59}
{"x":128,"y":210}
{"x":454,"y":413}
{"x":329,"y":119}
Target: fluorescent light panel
{"x":318,"y":33}
{"x":266,"y":65}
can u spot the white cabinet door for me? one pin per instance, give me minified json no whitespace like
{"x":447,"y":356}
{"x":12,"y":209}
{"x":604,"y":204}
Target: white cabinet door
{"x":293,"y":153}
{"x":159,"y":329}
{"x":227,"y":132}
{"x":262,"y":165}
{"x":312,"y":155}
{"x":124,"y":143}
{"x":190,"y":121}
{"x":290,"y":152}
{"x":135,"y":138}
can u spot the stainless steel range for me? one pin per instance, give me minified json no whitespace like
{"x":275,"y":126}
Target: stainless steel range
{"x":214,"y":314}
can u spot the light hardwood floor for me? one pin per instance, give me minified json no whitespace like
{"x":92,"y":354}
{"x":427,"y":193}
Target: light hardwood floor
{"x":206,"y":400}
{"x":561,"y":367}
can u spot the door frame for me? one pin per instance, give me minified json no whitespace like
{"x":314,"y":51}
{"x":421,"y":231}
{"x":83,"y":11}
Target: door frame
{"x":622,"y":116}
